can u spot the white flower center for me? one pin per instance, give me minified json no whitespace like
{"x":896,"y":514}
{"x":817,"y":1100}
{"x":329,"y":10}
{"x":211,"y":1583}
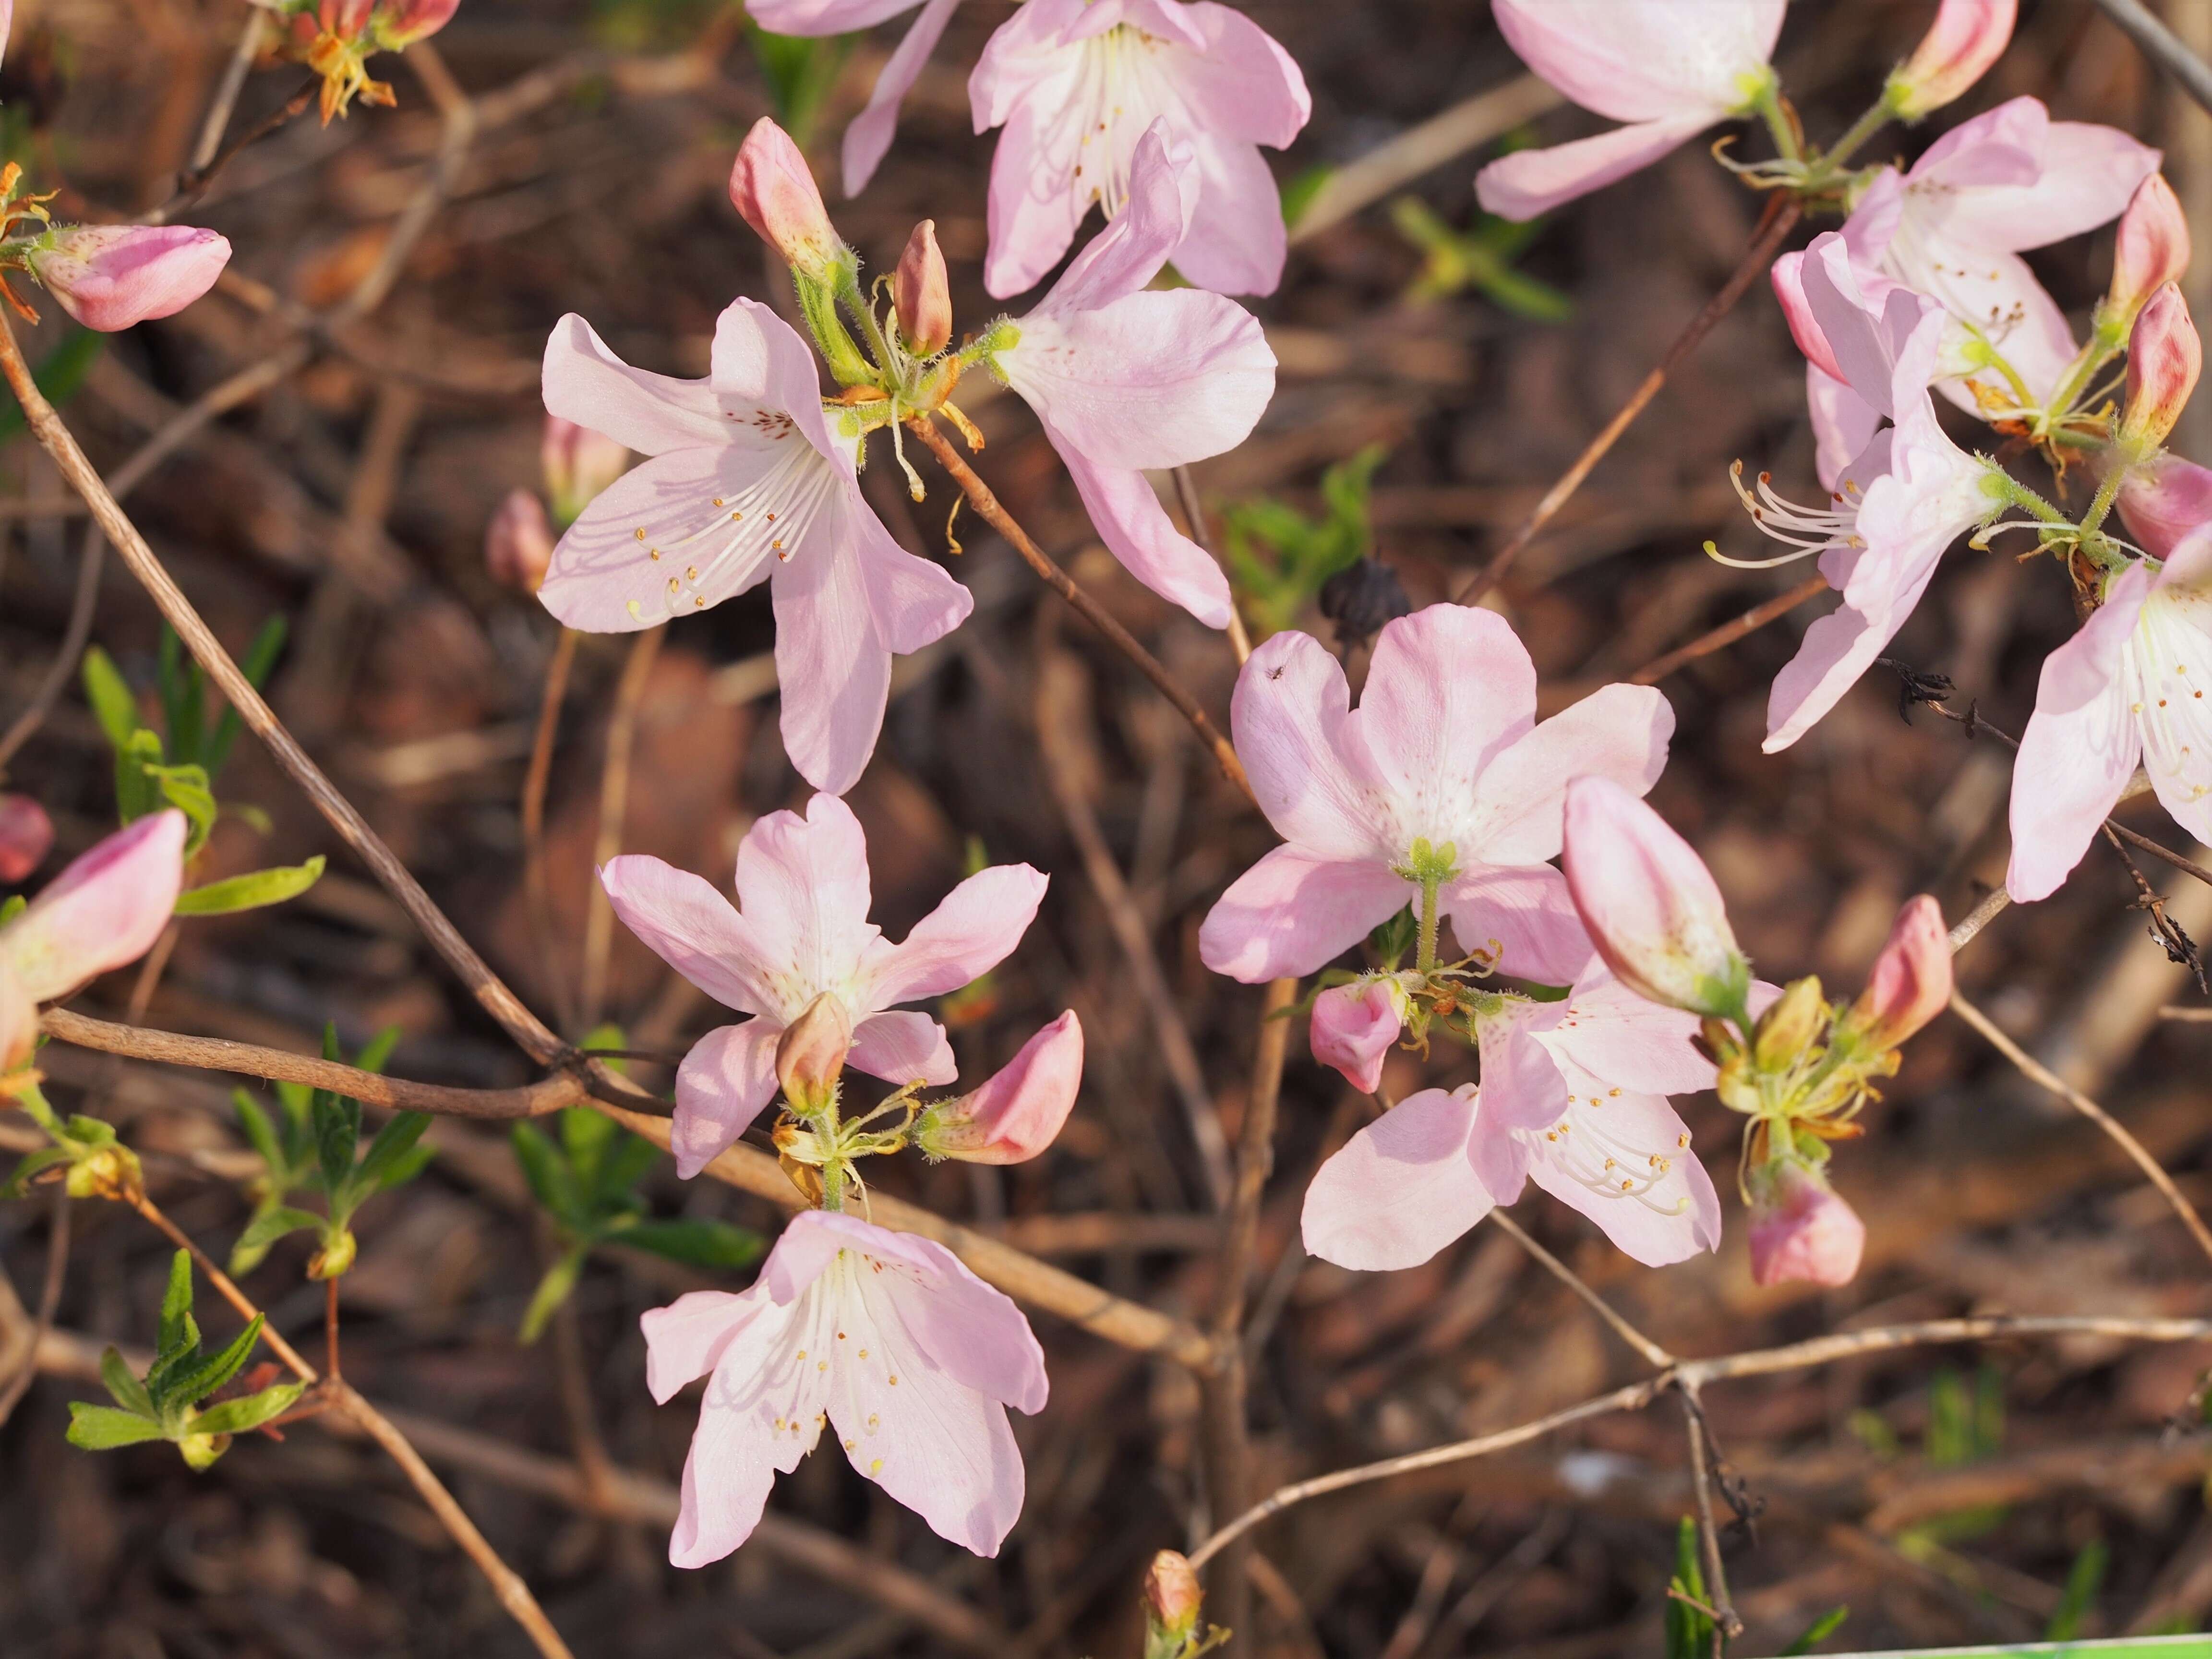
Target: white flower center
{"x":1583,"y":1146}
{"x":693,"y":568}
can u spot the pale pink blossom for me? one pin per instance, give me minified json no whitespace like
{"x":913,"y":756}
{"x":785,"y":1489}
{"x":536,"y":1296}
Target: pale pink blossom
{"x":1966,"y":37}
{"x":1668,"y":69}
{"x":1909,"y":982}
{"x":1652,"y":909}
{"x":19,"y":1026}
{"x":870,"y":134}
{"x":1078,"y":83}
{"x":772,"y":189}
{"x":2151,"y":250}
{"x":921,"y":293}
{"x":578,"y":464}
{"x":110,"y":277}
{"x":1445,"y":748}
{"x":26,"y":836}
{"x":2164,"y":357}
{"x":1907,"y":495}
{"x":1019,"y":1111}
{"x":1800,"y":1230}
{"x":1573,"y":1097}
{"x":1124,"y":380}
{"x":745,"y":483}
{"x":800,"y":928}
{"x":2163,"y":500}
{"x":2129,"y":687}
{"x":883,"y":1339}
{"x":1354,"y":1027}
{"x":518,"y":543}
{"x":105,"y":908}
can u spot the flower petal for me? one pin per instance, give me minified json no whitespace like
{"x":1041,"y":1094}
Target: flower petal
{"x":1523,"y":1085}
{"x":2170,"y":668}
{"x":974,"y":929}
{"x":1243,"y":86}
{"x":1291,"y":914}
{"x":765,"y":377}
{"x":720,"y":1087}
{"x":1401,"y":1190}
{"x":584,"y":381}
{"x":1295,"y":733}
{"x":105,"y":908}
{"x":1621,"y":1039}
{"x":834,"y":667}
{"x":1618,"y":731}
{"x":1138,"y":531}
{"x":760,"y":1414}
{"x":686,"y":922}
{"x":870,"y":135}
{"x":1526,"y":917}
{"x":688,"y":1338}
{"x":1129,"y":252}
{"x":1529,"y":182}
{"x":1666,"y":1220}
{"x":902,"y":1048}
{"x":1638,"y":62}
{"x":803,"y":887}
{"x":1237,"y":240}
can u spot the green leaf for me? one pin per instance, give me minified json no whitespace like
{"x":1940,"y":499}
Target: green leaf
{"x":1298,"y":193}
{"x":260,"y":659}
{"x":263,"y":1230}
{"x":2079,"y":1599}
{"x":551,"y":1181}
{"x":105,"y":690}
{"x":338,"y":1128}
{"x":59,"y":376}
{"x":697,"y":1244}
{"x":137,"y":790}
{"x":183,"y":701}
{"x":203,"y":1381}
{"x":250,"y":892}
{"x":553,"y":1290}
{"x":394,"y":1142}
{"x":1689,"y":1632}
{"x":634,"y":1157}
{"x":176,"y":1327}
{"x":102,"y":1428}
{"x":124,"y":1388}
{"x":376,"y":1053}
{"x":12,"y":907}
{"x":801,"y":73}
{"x":46,"y":1158}
{"x":1818,"y":1631}
{"x":185,"y":789}
{"x":587,"y":1134}
{"x":260,"y":1133}
{"x":249,"y":1412}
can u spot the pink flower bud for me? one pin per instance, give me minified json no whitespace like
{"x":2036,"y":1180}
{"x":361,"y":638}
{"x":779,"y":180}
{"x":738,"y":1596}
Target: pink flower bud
{"x":1649,"y":904}
{"x":1800,"y":1230}
{"x":109,"y":276}
{"x":1015,"y":1114}
{"x":773,"y":188}
{"x":578,"y":463}
{"x":2153,"y":249}
{"x":1965,"y":38}
{"x":1910,"y":982}
{"x":2163,"y":500}
{"x":401,"y":23}
{"x":26,"y":834}
{"x":1354,"y":1027}
{"x":1172,"y":1595}
{"x":2164,"y":357}
{"x":107,"y":908}
{"x":1788,"y":275}
{"x":923,"y":294}
{"x":810,"y":1056}
{"x":518,"y":543}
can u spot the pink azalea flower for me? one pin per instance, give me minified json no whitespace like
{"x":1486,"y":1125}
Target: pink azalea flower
{"x":2130,"y":686}
{"x":800,"y":928}
{"x":1669,"y":70}
{"x":1573,"y":1097}
{"x":1966,"y":37}
{"x":1443,"y":747}
{"x":2163,"y":500}
{"x":1077,"y":84}
{"x":1124,"y":380}
{"x":1019,"y":1111}
{"x":26,"y":834}
{"x":1653,"y":909}
{"x":1906,"y":497}
{"x":1354,"y":1027}
{"x":2150,"y":250}
{"x":105,"y":910}
{"x":884,"y":1338}
{"x":518,"y":543}
{"x":110,"y":277}
{"x":744,"y":483}
{"x":869,"y":137}
{"x":1801,"y":1230}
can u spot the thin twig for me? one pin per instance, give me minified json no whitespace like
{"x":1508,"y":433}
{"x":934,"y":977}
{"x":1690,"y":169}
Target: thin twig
{"x":2038,"y":1073}
{"x":50,"y":1302}
{"x":217,"y":119}
{"x":331,"y":1327}
{"x":194,"y":182}
{"x":1726,"y":1624}
{"x":1193,"y":511}
{"x":1728,"y":632}
{"x":1781,"y":216}
{"x":536,"y":888}
{"x":1653,"y":1354}
{"x":2162,"y":47}
{"x":1978,"y":918}
{"x":987,"y":507}
{"x":614,"y":807}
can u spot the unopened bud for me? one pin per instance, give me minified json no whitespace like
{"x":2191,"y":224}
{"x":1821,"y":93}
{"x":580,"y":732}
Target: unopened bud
{"x":1910,"y":982}
{"x":1800,"y":1228}
{"x":1018,"y":1113}
{"x":1649,"y":904}
{"x":110,"y":277}
{"x":1965,"y":38}
{"x":112,"y":1172}
{"x":1354,"y":1027}
{"x":2153,"y":249}
{"x":2163,"y":500}
{"x":400,"y":23}
{"x":335,"y":1258}
{"x":518,"y":543}
{"x":1172,"y":1596}
{"x":923,"y":294}
{"x":772,"y":186}
{"x":1791,"y":1026}
{"x":810,"y":1055}
{"x":26,"y":834}
{"x":2164,"y":357}
{"x":578,"y":464}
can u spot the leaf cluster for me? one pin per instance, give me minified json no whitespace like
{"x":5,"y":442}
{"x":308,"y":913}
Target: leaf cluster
{"x":1481,"y":258}
{"x":165,"y":1403}
{"x":1279,"y":558}
{"x":176,"y":765}
{"x":312,"y":1144}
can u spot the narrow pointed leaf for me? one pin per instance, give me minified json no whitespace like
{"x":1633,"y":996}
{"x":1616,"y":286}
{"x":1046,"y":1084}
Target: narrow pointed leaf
{"x":204,"y":1380}
{"x":250,"y":892}
{"x":102,"y":1428}
{"x":552,"y":1291}
{"x":260,"y":657}
{"x":696,"y":1243}
{"x":125,"y":1388}
{"x":259,"y":1133}
{"x":112,"y":705}
{"x":251,"y":1412}
{"x":394,"y":1143}
{"x":177,"y":1304}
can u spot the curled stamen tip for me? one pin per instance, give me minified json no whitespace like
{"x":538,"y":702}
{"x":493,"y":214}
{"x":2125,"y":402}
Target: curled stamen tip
{"x":1766,"y":477}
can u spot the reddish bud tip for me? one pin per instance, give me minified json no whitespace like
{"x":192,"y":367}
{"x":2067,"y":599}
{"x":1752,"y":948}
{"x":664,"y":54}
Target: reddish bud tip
{"x":2164,"y":357}
{"x":810,"y":1056}
{"x":1019,"y":1112}
{"x":110,"y":277}
{"x":772,"y":186}
{"x":923,"y":294}
{"x":1801,"y":1230}
{"x":518,"y":543}
{"x":1910,"y":982}
{"x":401,"y":23}
{"x":578,"y":464}
{"x":2153,"y":249}
{"x":1966,"y":37}
{"x":26,"y":834}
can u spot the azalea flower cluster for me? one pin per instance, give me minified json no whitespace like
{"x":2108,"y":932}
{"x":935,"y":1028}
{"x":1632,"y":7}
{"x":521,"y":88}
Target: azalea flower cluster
{"x":336,"y":38}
